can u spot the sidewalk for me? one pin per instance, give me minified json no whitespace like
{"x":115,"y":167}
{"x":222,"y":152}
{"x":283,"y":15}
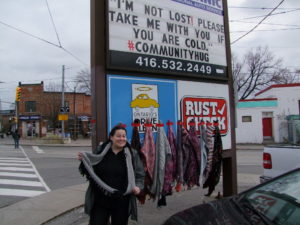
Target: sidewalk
{"x":39,"y":142}
{"x":52,"y":207}
{"x":88,"y":142}
{"x":42,"y":209}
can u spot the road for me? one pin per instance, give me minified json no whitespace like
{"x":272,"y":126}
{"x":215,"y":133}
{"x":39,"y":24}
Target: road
{"x":33,"y":170}
{"x":249,"y":168}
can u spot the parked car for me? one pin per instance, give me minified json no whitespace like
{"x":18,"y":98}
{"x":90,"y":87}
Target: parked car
{"x":278,"y":159}
{"x":276,"y":201}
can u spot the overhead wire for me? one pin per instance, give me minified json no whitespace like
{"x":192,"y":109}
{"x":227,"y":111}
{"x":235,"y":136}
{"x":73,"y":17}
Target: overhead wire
{"x":263,"y":8}
{"x":268,"y":15}
{"x":46,"y":41}
{"x":29,"y":34}
{"x":271,"y":24}
{"x":52,"y":20}
{"x":258,"y":23}
{"x":283,"y":29}
{"x":56,"y":32}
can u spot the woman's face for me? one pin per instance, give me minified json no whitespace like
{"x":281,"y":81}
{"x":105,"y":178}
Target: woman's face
{"x":119,"y":139}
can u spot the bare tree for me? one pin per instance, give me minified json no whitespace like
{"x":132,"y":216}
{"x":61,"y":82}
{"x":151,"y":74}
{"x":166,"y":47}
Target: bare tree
{"x":83,"y":79}
{"x":258,"y":70}
{"x":285,"y":76}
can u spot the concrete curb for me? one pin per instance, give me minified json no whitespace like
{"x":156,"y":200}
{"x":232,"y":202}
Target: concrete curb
{"x":249,"y":147}
{"x":40,"y":209}
{"x":24,"y":142}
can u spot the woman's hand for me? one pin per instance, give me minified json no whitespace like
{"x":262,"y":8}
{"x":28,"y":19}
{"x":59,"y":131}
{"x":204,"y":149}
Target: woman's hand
{"x":136,"y":190}
{"x":79,"y":156}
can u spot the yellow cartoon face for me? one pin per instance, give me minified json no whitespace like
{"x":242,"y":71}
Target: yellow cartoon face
{"x":144,"y":101}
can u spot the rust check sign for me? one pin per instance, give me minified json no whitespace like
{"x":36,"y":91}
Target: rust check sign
{"x":205,"y":109}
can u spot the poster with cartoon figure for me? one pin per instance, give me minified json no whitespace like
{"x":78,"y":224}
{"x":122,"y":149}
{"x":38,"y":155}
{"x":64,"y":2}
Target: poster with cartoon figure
{"x":145,"y":104}
{"x":131,"y":98}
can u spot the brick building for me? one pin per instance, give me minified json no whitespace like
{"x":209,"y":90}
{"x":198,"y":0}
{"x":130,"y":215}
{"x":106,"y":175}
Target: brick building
{"x":38,"y":111}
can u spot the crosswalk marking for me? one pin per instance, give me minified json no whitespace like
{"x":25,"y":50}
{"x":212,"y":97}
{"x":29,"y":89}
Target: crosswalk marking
{"x":24,"y":175}
{"x":19,"y":192}
{"x":17,"y":159}
{"x":14,"y":164}
{"x":16,"y":169}
{"x":37,"y":149}
{"x":21,"y":183}
{"x":18,"y":175}
{"x":35,"y":170}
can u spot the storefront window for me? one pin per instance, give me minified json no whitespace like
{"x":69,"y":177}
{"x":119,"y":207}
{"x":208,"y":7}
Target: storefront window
{"x":30,"y":106}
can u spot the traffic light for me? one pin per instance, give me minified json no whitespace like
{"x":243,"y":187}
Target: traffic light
{"x":18,"y":94}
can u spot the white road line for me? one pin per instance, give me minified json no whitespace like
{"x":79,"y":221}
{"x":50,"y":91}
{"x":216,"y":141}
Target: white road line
{"x":14,"y":164}
{"x":14,"y":161}
{"x":37,"y":173}
{"x":16,"y":169}
{"x":10,"y":158}
{"x":21,"y":183}
{"x":25,"y":175}
{"x":38,"y":150}
{"x":20,"y":193}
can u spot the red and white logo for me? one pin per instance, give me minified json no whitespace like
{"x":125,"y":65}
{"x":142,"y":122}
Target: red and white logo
{"x":205,"y":109}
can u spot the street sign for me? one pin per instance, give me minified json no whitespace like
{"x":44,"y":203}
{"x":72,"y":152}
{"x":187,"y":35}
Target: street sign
{"x":64,"y":109}
{"x":63,"y":117}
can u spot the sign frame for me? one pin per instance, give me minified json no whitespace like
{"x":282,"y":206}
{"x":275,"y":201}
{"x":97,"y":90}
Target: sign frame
{"x":185,"y":65}
{"x":100,"y":69}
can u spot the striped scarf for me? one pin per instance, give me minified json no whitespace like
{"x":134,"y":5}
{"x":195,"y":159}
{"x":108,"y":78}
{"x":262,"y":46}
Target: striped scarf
{"x":89,"y":160}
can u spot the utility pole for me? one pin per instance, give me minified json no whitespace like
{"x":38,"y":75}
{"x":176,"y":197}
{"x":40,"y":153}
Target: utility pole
{"x":74,"y":105}
{"x":63,"y":100}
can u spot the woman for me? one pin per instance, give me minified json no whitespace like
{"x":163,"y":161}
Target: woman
{"x":116,"y":176}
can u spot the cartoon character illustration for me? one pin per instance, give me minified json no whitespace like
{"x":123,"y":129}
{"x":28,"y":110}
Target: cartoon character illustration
{"x":144,"y":101}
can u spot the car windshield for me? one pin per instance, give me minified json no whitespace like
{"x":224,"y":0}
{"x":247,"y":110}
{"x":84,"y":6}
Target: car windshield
{"x":277,"y":201}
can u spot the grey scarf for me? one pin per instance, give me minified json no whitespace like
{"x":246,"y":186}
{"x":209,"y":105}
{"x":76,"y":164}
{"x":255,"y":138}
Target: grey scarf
{"x":89,"y":160}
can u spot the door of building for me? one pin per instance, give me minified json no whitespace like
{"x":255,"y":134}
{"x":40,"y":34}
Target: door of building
{"x":267,"y":128}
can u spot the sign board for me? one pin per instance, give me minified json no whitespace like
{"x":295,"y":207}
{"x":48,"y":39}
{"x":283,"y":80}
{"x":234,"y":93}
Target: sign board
{"x":64,"y":109}
{"x":63,"y":117}
{"x":31,"y":117}
{"x":206,"y":109}
{"x":208,"y":102}
{"x":140,"y":98}
{"x":179,"y":37}
{"x":144,"y":103}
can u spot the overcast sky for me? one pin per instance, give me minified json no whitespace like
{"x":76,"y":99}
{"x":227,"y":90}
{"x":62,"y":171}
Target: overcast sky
{"x":30,"y":60}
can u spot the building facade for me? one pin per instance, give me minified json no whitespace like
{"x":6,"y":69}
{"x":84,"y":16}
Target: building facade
{"x":38,"y":111}
{"x":266,"y":118}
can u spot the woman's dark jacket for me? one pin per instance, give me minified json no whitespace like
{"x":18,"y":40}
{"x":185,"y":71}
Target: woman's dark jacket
{"x":138,"y":176}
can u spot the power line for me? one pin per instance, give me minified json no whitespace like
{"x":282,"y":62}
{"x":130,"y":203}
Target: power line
{"x":283,"y":29}
{"x":31,"y":35}
{"x":53,"y":23}
{"x":6,"y":102}
{"x":271,"y":24}
{"x":263,"y":8}
{"x":44,"y":40}
{"x":258,"y":23}
{"x":255,"y":17}
{"x":71,"y":54}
